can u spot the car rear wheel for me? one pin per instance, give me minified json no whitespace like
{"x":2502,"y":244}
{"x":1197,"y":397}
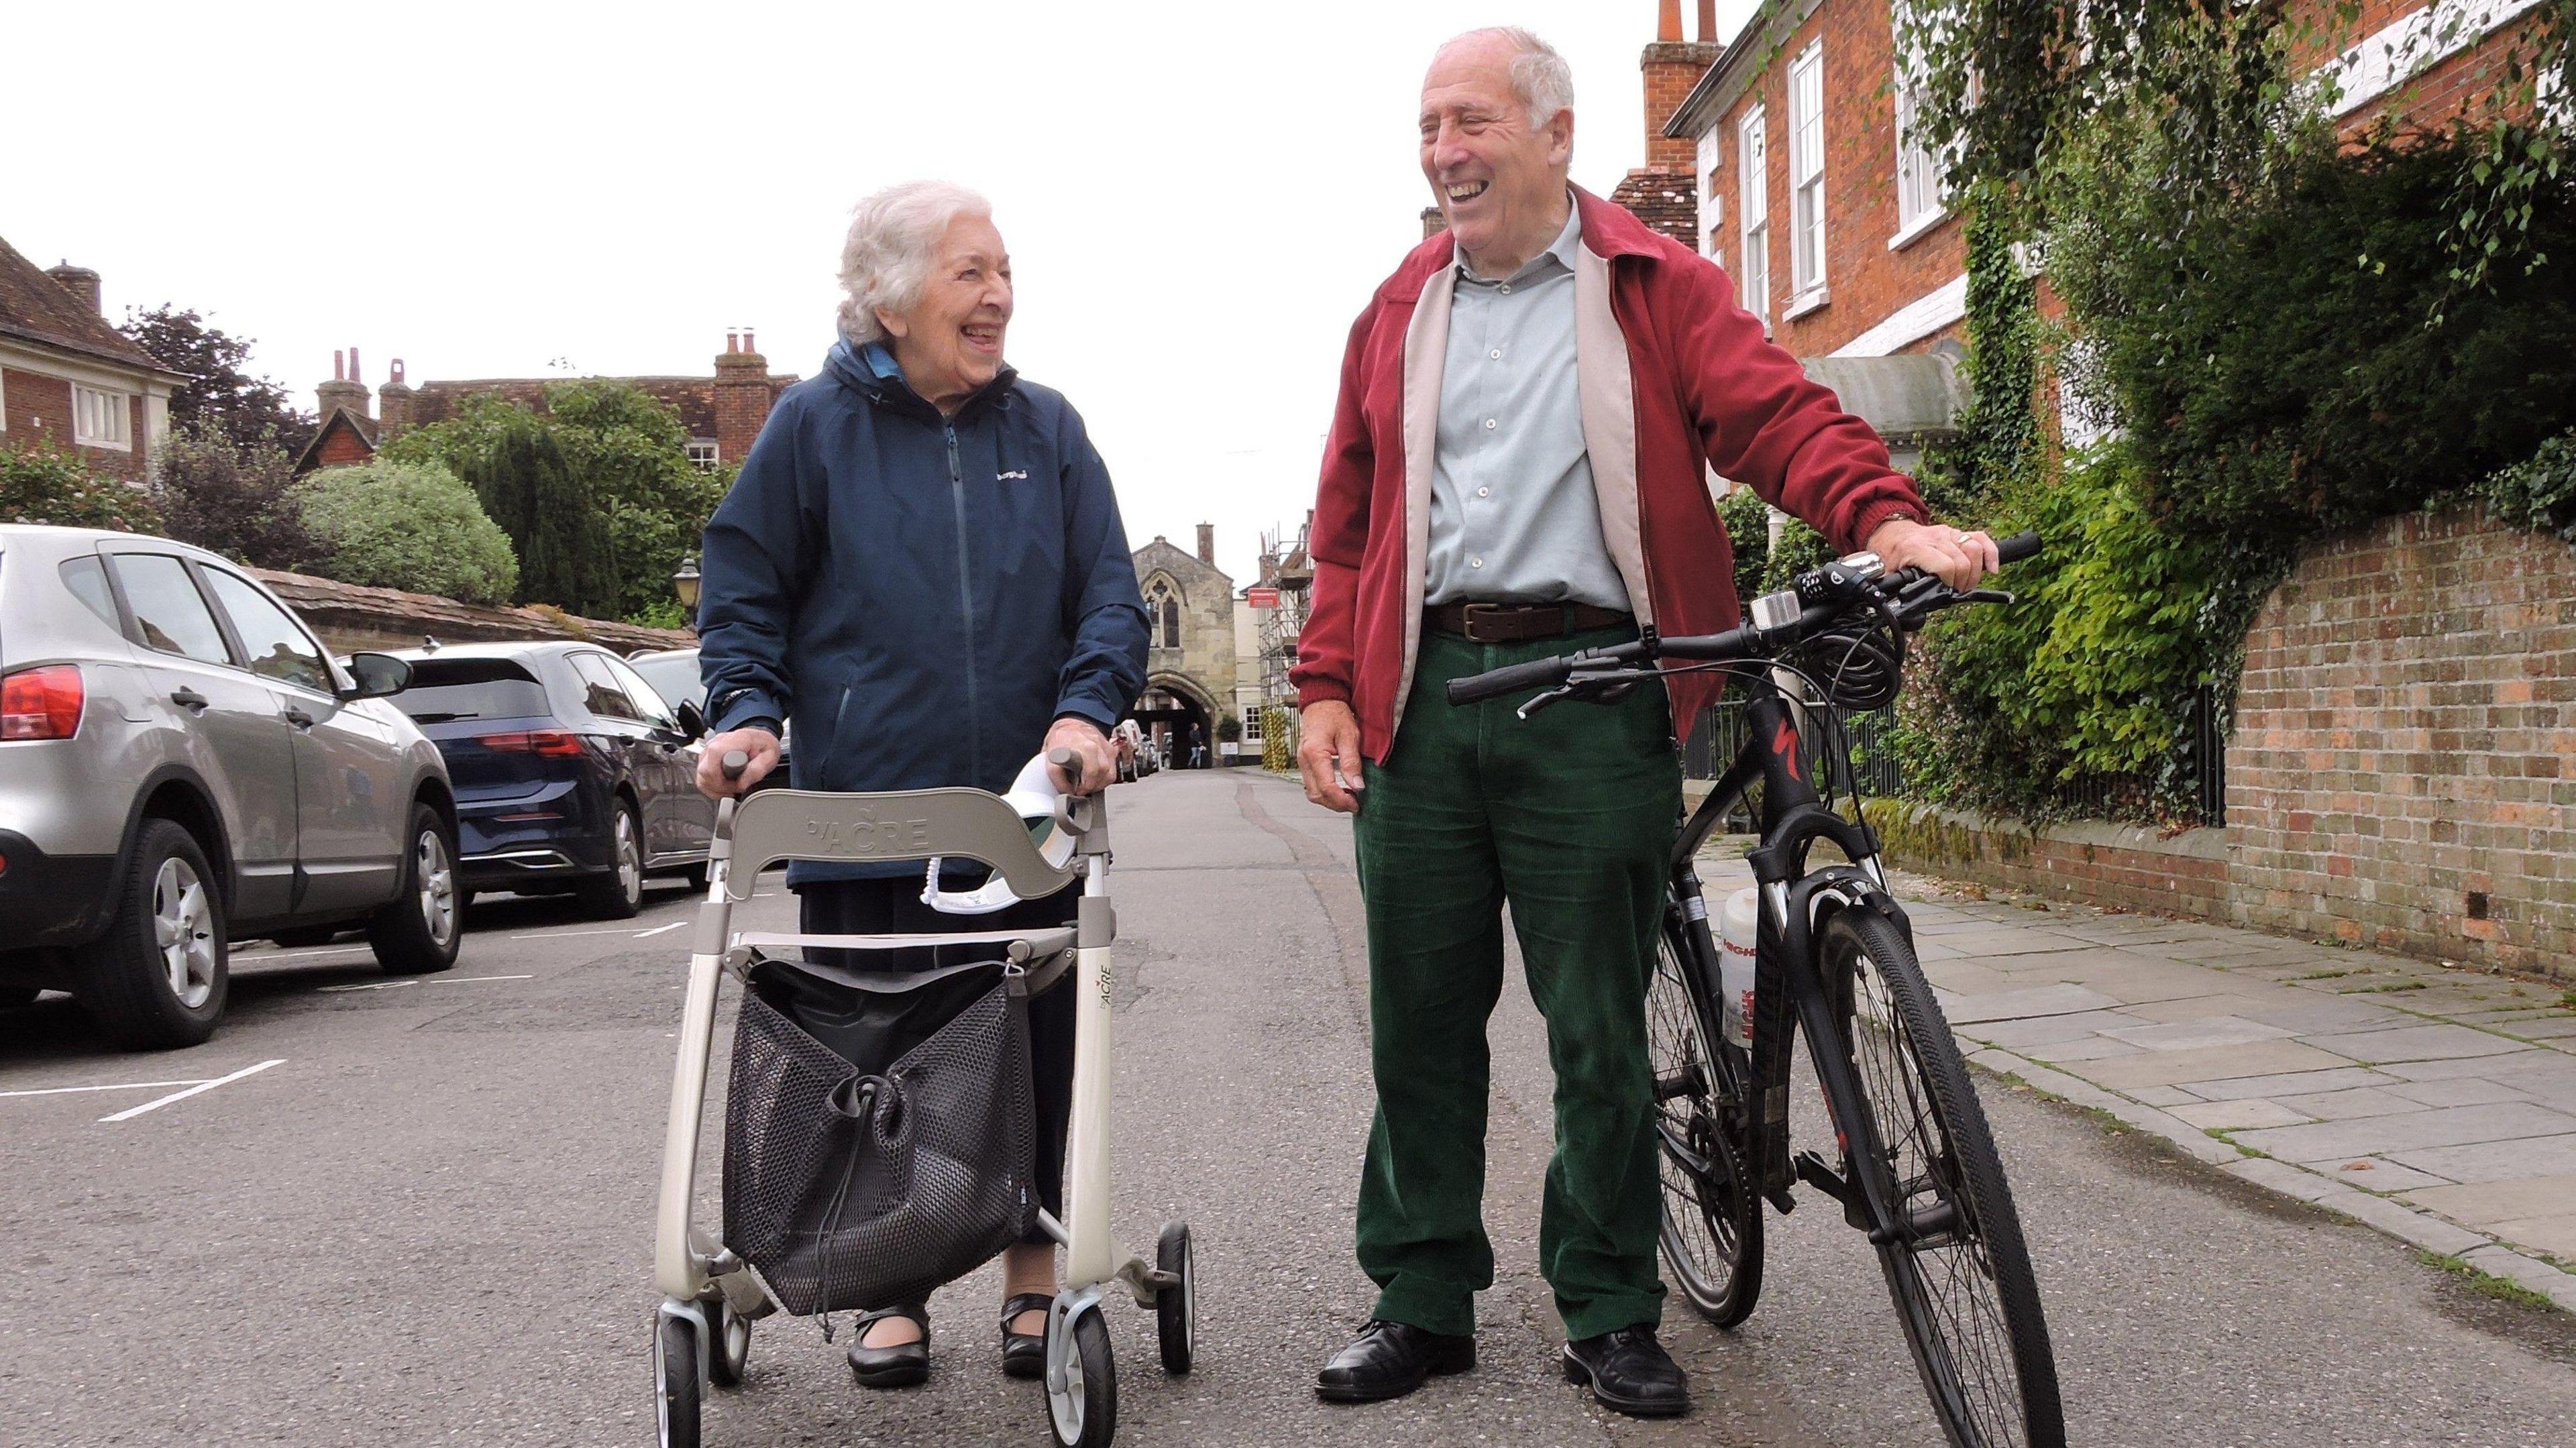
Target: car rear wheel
{"x":417,"y":932}
{"x":618,"y":894}
{"x":157,"y":977}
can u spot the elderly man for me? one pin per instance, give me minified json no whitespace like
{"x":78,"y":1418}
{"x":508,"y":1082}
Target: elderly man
{"x":1517,"y":468}
{"x":922,"y":567}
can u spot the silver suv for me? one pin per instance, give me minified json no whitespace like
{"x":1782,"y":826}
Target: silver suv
{"x":182,"y":766}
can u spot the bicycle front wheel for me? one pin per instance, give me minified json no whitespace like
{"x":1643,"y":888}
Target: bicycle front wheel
{"x":1955,"y":1260}
{"x":1711,"y":1232}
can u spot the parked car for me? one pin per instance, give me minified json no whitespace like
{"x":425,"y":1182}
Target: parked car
{"x":572,"y":774}
{"x":183,"y":766}
{"x":1136,"y":757}
{"x":673,"y":673}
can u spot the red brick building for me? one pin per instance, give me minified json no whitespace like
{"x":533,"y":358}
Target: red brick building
{"x":723,"y":413}
{"x":68,"y":378}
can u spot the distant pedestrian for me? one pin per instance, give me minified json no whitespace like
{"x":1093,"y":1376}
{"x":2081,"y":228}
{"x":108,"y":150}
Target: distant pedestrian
{"x":922,"y":568}
{"x":1198,"y":748}
{"x":1479,"y":508}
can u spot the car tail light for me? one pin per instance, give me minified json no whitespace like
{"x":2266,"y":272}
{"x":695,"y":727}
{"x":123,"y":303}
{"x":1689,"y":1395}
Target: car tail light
{"x":552,"y":742}
{"x":41,"y":703}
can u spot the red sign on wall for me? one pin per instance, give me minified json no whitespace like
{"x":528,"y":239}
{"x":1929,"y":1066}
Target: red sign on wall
{"x":1261,"y":597}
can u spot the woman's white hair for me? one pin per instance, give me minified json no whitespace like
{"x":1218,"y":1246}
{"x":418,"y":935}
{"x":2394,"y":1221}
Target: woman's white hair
{"x":1541,"y":80}
{"x":885,"y":260}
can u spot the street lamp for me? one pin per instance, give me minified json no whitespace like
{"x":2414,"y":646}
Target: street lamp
{"x":685,"y":584}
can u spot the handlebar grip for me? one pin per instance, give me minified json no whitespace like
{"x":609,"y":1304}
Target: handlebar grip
{"x":1510,"y":679}
{"x":2021,"y":545}
{"x":1063,"y":757}
{"x":735,"y":761}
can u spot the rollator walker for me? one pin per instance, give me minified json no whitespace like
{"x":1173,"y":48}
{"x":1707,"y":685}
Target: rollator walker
{"x":710,"y":1296}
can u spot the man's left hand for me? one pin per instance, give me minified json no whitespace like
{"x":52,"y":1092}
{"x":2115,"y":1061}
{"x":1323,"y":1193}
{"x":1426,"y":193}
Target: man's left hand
{"x":1957,"y":559}
{"x":1099,"y":765}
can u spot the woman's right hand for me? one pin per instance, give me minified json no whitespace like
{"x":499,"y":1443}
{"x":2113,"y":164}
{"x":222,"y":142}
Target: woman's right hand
{"x":759,"y":744}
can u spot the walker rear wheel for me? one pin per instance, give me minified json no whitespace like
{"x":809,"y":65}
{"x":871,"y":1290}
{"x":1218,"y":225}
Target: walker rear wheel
{"x":676,"y":1389}
{"x":1176,"y":1308}
{"x":728,"y":1343}
{"x":1082,"y":1398}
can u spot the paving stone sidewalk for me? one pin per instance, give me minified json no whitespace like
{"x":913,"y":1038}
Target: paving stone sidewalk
{"x":2434,"y":1104}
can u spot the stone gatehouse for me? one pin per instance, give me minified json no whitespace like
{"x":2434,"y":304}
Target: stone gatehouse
{"x":1192,"y":666}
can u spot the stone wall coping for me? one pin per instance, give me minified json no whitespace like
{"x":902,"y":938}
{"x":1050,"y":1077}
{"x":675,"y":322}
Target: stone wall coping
{"x":2199,"y":843}
{"x":331,"y":606}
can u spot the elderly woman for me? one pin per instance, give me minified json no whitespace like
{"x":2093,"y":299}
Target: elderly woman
{"x":922,"y":568}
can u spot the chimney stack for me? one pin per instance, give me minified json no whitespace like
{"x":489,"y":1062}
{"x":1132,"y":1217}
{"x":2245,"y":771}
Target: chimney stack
{"x":1672,"y":66}
{"x":742,"y":395}
{"x":81,"y":282}
{"x":1207,"y":544}
{"x":1668,"y":21}
{"x":344,"y":389}
{"x":733,"y":343}
{"x":393,"y":401}
{"x":1708,"y":22}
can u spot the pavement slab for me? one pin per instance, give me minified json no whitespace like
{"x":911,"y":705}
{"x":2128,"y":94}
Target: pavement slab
{"x":2211,"y":1063}
{"x":2416,"y":1043}
{"x":2025,"y":1004}
{"x":2388,"y":1135}
{"x":2373,"y":1173}
{"x":2195,"y":1035}
{"x":2239,"y":1115}
{"x":2497,"y":1161}
{"x":2357,"y":1102}
{"x":2489,"y":1203}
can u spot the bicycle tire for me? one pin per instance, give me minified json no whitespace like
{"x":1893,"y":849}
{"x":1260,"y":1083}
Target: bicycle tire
{"x":1958,"y":1269}
{"x":1711,"y":1224}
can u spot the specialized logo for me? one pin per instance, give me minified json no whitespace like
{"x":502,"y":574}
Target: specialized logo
{"x":1013,"y":473}
{"x":1785,"y":745}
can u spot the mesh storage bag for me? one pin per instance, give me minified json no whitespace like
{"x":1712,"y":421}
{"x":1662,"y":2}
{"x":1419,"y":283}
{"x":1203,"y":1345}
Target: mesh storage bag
{"x":867,"y":1176}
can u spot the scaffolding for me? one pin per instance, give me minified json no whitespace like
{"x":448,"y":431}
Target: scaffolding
{"x":1285,"y":568}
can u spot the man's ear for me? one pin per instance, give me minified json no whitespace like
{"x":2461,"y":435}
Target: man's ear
{"x":1560,"y":138}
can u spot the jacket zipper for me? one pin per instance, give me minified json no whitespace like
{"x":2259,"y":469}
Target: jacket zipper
{"x":966,"y":606}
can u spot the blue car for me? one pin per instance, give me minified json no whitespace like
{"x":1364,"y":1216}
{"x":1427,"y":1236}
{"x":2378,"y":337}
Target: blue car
{"x":673,"y":673}
{"x":571,"y":773}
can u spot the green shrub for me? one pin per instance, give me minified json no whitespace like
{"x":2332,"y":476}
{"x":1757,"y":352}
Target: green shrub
{"x":48,"y":485}
{"x":408,"y":526}
{"x":1748,"y":535}
{"x":1799,"y":549}
{"x":2539,"y":492}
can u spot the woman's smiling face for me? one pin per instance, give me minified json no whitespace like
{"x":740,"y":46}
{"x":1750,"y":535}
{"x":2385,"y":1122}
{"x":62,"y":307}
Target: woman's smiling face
{"x":949,"y":344}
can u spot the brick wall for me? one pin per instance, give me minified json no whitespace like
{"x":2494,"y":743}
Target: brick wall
{"x":2403,"y":771}
{"x":40,"y":412}
{"x":1867,"y":280}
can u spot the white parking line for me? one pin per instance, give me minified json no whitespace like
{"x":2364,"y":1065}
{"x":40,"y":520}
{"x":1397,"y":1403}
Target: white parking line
{"x":470,"y":979}
{"x":305,"y":954}
{"x":564,"y":934}
{"x":157,"y":1103}
{"x":661,"y":929}
{"x":364,"y":985}
{"x":119,"y":1086}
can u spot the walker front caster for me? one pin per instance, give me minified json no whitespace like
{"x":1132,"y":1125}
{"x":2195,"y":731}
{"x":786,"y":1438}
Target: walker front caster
{"x":676,"y":1388}
{"x":1081,"y":1378}
{"x":728,"y":1343}
{"x":1176,"y":1307}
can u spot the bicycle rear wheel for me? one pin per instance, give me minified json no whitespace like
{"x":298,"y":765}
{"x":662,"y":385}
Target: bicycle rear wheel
{"x":1712,"y":1219}
{"x":1956,"y":1263}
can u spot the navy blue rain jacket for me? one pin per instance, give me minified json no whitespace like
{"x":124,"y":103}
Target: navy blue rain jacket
{"x":920,"y":599}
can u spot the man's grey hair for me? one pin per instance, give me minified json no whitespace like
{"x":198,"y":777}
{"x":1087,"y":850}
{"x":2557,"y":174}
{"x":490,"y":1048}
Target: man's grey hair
{"x":885,"y":260}
{"x":1541,"y":80}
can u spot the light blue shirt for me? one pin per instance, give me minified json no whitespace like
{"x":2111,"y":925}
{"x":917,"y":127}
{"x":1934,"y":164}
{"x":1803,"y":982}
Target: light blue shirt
{"x":1513,"y":514}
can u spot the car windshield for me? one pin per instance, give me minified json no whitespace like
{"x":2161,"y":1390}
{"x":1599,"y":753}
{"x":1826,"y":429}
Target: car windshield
{"x":673,"y":676}
{"x":448,"y":689}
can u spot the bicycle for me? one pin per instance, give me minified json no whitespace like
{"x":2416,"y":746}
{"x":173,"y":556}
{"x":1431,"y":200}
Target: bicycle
{"x":1834,"y":959}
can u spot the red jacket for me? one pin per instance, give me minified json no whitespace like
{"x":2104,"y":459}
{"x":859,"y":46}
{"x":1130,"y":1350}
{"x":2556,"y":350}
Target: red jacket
{"x":1675,"y":378}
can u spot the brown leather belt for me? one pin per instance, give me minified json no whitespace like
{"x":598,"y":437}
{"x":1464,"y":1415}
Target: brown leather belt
{"x":1507,"y":623}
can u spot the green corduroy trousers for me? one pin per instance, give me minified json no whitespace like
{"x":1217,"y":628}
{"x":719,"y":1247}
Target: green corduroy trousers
{"x":1567,"y":817}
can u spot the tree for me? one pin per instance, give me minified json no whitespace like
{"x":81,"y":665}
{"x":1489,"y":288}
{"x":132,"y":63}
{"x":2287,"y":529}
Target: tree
{"x":409,"y":526}
{"x":49,"y":485}
{"x":241,"y":501}
{"x":529,"y":488}
{"x":250,"y":411}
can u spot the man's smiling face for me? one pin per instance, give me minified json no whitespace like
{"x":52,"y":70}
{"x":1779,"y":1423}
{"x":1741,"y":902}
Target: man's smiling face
{"x":1497,"y":180}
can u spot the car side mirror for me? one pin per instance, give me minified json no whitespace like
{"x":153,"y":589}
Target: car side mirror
{"x":692,"y":722}
{"x":377,"y":675}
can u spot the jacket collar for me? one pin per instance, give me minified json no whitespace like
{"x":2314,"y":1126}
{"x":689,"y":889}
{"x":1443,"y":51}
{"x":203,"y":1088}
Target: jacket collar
{"x":858,"y":368}
{"x":1611,"y":230}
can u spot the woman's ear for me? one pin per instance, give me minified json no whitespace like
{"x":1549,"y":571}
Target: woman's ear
{"x":895,"y":326}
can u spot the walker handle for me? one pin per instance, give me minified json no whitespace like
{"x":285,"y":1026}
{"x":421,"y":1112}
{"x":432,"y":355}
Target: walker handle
{"x":735,"y":761}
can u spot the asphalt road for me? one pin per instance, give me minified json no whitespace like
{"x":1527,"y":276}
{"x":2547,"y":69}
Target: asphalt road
{"x":429,"y":1222}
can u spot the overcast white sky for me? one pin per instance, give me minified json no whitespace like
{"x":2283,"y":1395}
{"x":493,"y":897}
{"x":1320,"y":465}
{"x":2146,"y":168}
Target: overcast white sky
{"x":1197,"y":197}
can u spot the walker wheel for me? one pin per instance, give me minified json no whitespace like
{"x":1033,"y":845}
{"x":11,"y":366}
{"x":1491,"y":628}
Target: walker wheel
{"x":675,"y":1380}
{"x":728,"y":1343}
{"x":1082,"y":1399}
{"x":1176,"y":1308}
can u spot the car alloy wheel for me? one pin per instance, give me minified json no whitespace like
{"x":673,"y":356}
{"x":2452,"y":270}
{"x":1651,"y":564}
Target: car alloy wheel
{"x":183,"y":931}
{"x":437,"y":886}
{"x":630,"y":858}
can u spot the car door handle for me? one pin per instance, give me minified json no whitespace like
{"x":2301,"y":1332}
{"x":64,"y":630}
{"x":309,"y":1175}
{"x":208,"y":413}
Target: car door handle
{"x":298,"y":717}
{"x":189,"y":699}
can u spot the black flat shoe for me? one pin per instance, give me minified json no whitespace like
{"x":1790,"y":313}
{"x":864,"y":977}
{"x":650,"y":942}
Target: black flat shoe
{"x":899,"y":1366}
{"x":1024,"y":1353}
{"x":1630,"y":1373}
{"x":1389,"y":1360}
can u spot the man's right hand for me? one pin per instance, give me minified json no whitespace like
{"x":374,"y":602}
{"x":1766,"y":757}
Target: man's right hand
{"x":1328,"y":755}
{"x":760,"y":744}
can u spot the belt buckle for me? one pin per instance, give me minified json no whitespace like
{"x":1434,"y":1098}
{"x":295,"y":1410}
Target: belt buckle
{"x":1470,"y":614}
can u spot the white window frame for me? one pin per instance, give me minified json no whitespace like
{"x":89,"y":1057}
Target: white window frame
{"x":1922,"y":178}
{"x":102,"y":404}
{"x":1807,"y":180}
{"x":705,"y":455}
{"x":1753,"y":185}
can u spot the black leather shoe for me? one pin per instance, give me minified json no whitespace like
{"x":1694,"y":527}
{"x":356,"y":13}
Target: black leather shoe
{"x":1630,"y":1373}
{"x":1389,"y":1360}
{"x":1024,"y":1353}
{"x":899,"y":1366}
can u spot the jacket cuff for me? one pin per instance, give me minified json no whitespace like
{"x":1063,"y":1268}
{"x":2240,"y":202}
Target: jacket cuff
{"x":750,"y":706}
{"x":1322,"y":691}
{"x":1088,"y":712}
{"x":1877,"y":514}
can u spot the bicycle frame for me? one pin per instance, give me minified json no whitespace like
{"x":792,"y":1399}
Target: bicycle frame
{"x":1795,"y":900}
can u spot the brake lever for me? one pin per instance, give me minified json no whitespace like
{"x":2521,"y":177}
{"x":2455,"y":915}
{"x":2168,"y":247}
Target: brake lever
{"x":1988,"y":595}
{"x":1541,"y":701}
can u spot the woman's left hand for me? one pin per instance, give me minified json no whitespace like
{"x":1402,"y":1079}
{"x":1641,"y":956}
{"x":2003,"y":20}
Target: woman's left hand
{"x":1099,"y":765}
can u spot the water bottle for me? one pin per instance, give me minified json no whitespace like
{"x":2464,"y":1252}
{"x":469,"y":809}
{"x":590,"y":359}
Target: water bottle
{"x":1737,"y":927}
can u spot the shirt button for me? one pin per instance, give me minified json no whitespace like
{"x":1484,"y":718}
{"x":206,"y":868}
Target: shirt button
{"x":1496,"y":354}
{"x":1489,"y":424}
{"x":1475,"y":562}
{"x":1484,"y":492}
{"x":1507,"y":290}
